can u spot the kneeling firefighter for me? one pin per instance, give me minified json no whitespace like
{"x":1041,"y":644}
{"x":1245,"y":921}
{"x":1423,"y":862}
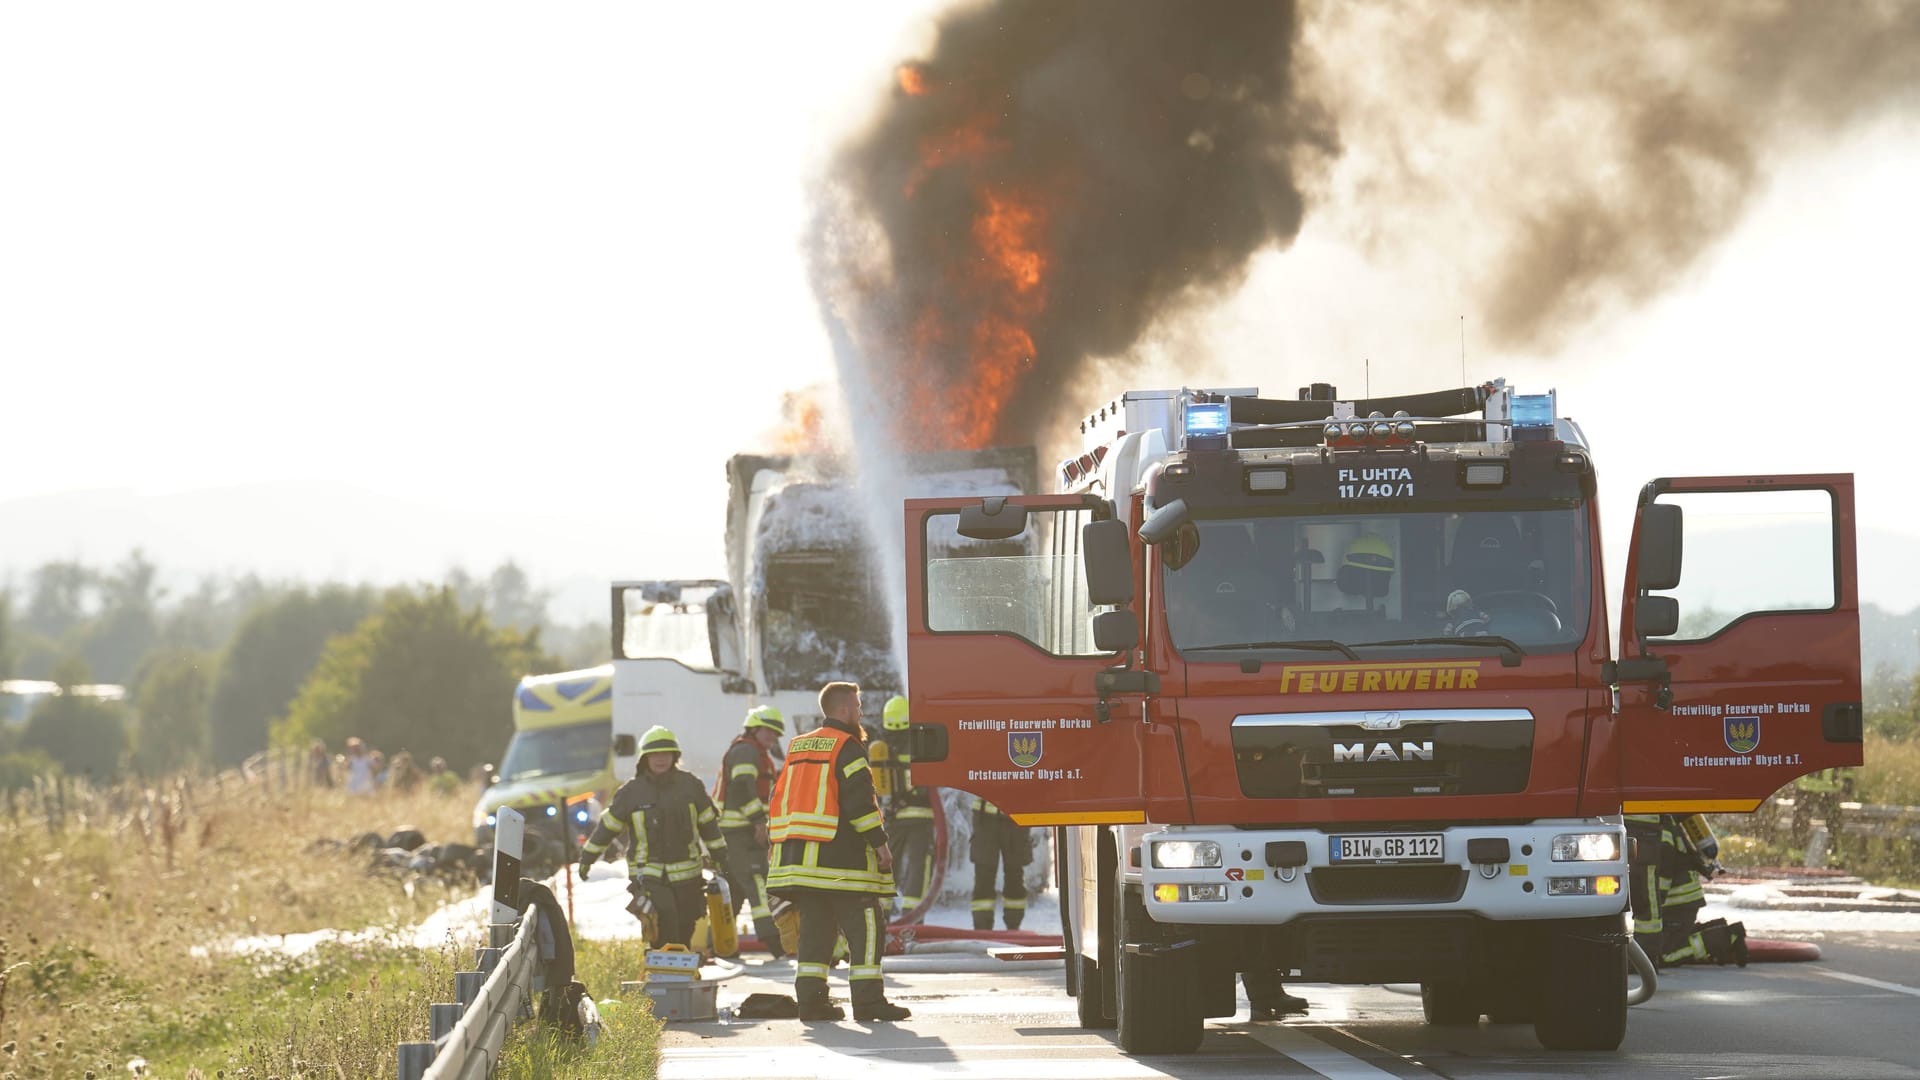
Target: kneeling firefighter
{"x":666,"y":815}
{"x":744,"y":786}
{"x":831,"y":859}
{"x":1667,"y":896}
{"x":909,"y":808}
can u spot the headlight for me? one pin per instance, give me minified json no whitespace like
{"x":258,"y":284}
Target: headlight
{"x":1586,"y":847}
{"x":1185,"y":854}
{"x":580,"y":815}
{"x":489,"y":821}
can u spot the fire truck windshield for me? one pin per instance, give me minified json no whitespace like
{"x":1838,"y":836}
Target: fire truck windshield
{"x":1352,"y":579}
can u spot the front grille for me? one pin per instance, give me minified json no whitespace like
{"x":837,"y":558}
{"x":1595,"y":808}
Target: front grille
{"x":1387,"y":884}
{"x":1337,"y":755}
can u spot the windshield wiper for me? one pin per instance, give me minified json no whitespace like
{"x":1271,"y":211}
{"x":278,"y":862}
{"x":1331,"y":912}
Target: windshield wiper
{"x":1325,"y":644}
{"x":1513,"y":650}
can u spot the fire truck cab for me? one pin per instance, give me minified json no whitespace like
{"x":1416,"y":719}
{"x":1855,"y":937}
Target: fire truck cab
{"x":1327,"y":688}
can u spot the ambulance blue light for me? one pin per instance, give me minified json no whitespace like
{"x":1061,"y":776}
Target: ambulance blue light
{"x":1207,"y":419}
{"x":1532,"y":410}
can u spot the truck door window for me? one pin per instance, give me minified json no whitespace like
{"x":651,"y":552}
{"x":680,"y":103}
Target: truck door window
{"x":1032,"y":586}
{"x":1751,"y":551}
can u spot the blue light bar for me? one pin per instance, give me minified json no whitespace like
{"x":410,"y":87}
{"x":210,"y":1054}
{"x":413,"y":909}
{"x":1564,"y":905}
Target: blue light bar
{"x":1533,"y":410}
{"x":1208,"y":418}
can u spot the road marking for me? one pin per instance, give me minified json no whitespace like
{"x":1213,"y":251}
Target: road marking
{"x":1332,"y":1063}
{"x":1096,"y":1062}
{"x":1864,"y":981}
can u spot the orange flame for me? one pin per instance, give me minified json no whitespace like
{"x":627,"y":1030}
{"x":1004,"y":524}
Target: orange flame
{"x":996,"y":290}
{"x":913,"y":81}
{"x":803,"y":423}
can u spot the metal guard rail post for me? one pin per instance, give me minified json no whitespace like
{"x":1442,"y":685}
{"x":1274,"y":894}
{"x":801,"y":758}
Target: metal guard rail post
{"x":493,"y":998}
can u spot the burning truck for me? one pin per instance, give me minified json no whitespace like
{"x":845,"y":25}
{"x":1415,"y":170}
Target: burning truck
{"x":805,"y":602}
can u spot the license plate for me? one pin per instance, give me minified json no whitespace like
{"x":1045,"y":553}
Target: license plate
{"x":1389,"y":847}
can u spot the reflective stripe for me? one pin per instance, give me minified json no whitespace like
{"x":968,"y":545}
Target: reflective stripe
{"x":871,"y":956}
{"x":813,"y":971}
{"x":745,"y":768}
{"x":854,"y":766}
{"x":859,"y":972}
{"x":867,"y":822}
{"x":911,"y":812}
{"x":982,"y":905}
{"x":1013,"y":904}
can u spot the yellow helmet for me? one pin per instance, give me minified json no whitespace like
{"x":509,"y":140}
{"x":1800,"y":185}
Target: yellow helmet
{"x":658,"y":740}
{"x":894,"y":716}
{"x":1370,"y":552}
{"x":766,"y":716}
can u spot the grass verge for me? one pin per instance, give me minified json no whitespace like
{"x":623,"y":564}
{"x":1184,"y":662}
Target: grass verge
{"x":112,"y":930}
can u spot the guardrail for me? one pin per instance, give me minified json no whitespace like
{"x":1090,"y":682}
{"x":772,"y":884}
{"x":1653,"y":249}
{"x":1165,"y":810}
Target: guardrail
{"x":1858,"y":819}
{"x":520,"y":959}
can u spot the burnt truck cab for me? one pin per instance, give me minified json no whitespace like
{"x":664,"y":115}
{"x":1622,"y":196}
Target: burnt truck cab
{"x":1328,"y":688}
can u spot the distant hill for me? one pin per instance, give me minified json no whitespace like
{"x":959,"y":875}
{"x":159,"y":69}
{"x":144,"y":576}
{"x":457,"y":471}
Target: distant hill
{"x":338,"y":532}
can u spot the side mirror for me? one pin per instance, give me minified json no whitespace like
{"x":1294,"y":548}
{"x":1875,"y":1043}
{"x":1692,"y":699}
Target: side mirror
{"x":993,"y":519}
{"x":1115,"y":631}
{"x":1164,"y":522}
{"x":625,"y":745}
{"x":1660,"y":533}
{"x":1109,"y":563}
{"x":1656,"y":616}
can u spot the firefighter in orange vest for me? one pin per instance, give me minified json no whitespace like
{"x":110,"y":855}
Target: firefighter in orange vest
{"x":741,"y":791}
{"x":830,"y":858}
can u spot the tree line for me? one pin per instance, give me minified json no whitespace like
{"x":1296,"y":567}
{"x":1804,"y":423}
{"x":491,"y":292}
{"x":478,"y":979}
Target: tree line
{"x":218,"y":673}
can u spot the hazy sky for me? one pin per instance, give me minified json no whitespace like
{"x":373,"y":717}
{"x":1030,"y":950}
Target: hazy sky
{"x":483,"y":256}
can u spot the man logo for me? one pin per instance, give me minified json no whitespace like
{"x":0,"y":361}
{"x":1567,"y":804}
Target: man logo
{"x":1368,"y":753}
{"x":1742,"y":733}
{"x":1026,"y":749}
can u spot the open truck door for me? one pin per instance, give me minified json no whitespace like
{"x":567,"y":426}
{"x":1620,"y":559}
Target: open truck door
{"x":1743,"y":672}
{"x":1016,"y":656}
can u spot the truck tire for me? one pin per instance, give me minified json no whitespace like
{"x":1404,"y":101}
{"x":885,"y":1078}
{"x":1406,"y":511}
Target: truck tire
{"x":1155,"y":1008}
{"x":1583,"y":1004}
{"x":1449,"y":1004}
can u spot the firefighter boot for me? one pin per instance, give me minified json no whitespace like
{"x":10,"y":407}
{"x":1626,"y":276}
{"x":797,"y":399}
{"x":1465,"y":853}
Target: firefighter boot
{"x":1724,"y":943}
{"x":870,"y":1003}
{"x":811,"y":993}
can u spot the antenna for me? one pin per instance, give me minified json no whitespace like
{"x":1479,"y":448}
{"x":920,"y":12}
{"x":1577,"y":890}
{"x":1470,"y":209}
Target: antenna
{"x":1463,"y":350}
{"x":1368,"y":369}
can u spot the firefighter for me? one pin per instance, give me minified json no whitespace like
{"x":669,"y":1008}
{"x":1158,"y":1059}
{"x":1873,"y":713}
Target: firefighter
{"x":997,"y":841}
{"x":741,"y":790}
{"x":666,"y":815}
{"x":1683,"y":868}
{"x":1643,"y":877}
{"x":910,"y":810}
{"x":831,"y":859}
{"x":1667,"y":896}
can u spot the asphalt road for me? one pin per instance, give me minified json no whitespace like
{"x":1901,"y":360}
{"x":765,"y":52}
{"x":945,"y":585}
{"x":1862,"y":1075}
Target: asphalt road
{"x":1855,"y":1014}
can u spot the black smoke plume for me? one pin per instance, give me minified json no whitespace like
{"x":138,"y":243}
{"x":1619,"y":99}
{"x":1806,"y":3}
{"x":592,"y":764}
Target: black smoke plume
{"x":1051,"y":179}
{"x":1562,"y":162}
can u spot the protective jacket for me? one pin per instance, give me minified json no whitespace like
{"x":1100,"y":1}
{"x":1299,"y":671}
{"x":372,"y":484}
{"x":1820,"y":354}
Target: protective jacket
{"x":745,"y":783}
{"x":825,"y":825}
{"x":666,"y":819}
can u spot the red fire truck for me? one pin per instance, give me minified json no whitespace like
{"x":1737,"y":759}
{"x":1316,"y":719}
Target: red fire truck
{"x":1327,"y":688}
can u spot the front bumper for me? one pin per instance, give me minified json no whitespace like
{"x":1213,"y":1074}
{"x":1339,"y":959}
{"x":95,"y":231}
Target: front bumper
{"x":1256,"y":893}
